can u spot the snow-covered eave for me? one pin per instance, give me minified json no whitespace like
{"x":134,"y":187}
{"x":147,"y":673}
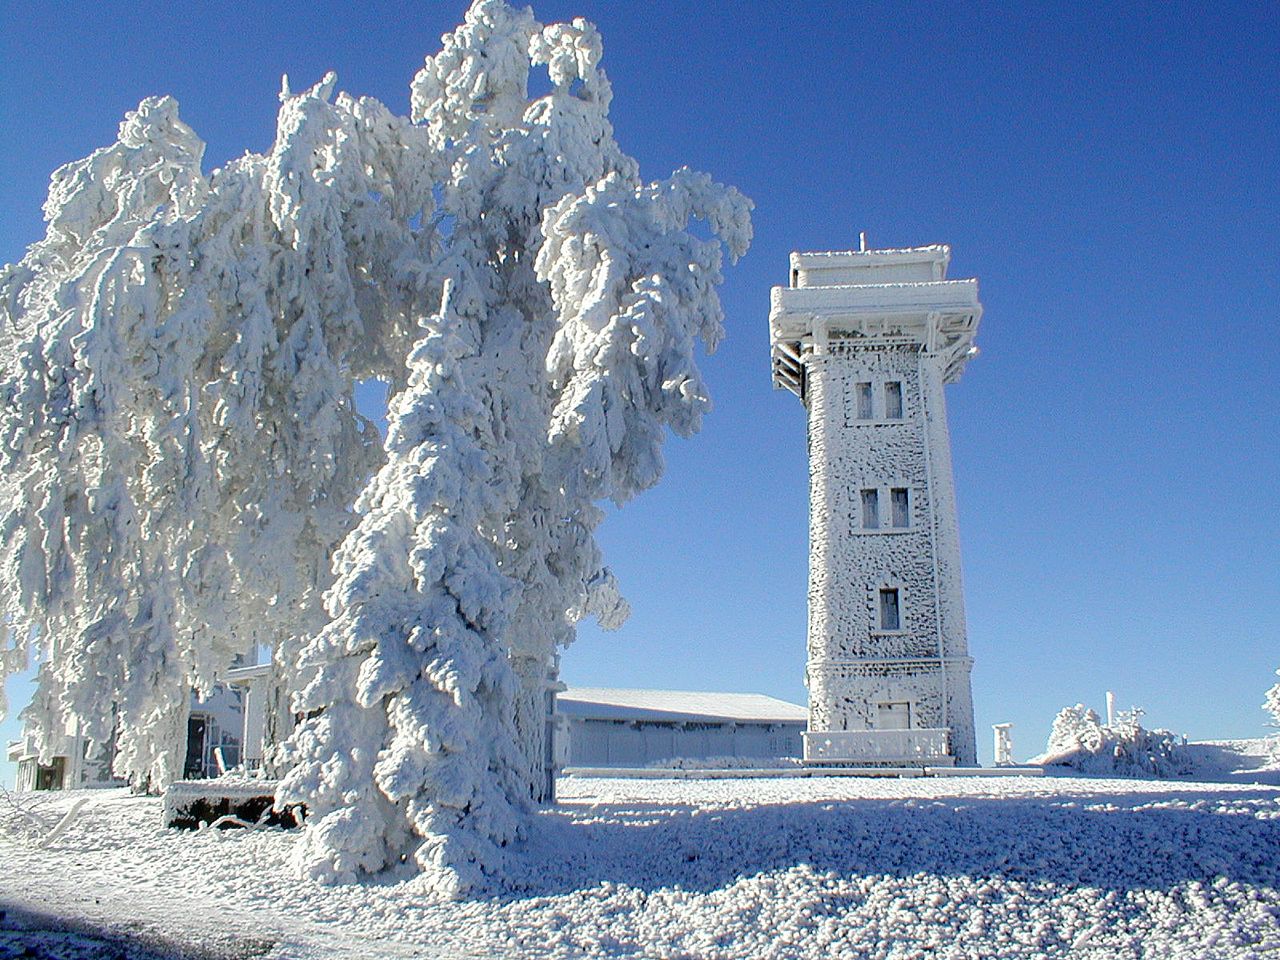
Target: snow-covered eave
{"x":243,"y":676}
{"x":904,"y":297}
{"x":892,"y":256}
{"x":16,"y":751}
{"x":580,"y":711}
{"x":677,"y":706}
{"x":941,"y":316}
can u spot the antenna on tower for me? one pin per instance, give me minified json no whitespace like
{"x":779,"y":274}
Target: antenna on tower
{"x":862,"y":242}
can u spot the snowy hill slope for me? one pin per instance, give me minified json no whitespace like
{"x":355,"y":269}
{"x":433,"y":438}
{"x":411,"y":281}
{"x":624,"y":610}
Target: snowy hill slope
{"x":715,"y":870}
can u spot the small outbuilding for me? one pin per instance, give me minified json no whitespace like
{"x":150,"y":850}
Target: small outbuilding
{"x":611,"y":727}
{"x":75,"y":761}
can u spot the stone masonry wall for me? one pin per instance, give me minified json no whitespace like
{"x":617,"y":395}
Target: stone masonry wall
{"x":849,"y":564}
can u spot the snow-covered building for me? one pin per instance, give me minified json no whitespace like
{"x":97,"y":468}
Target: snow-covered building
{"x":214,"y":728}
{"x":75,"y":762}
{"x":867,"y":339}
{"x":610,"y":727}
{"x":252,"y":684}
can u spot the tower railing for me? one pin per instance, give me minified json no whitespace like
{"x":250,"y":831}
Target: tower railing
{"x":929,"y":745}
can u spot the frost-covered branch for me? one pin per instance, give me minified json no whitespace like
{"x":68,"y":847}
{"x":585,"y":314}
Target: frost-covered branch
{"x":410,"y":746}
{"x":1079,"y":739}
{"x":182,"y":455}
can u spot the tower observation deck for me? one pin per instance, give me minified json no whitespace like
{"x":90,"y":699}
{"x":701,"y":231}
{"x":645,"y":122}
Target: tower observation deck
{"x":867,"y":340}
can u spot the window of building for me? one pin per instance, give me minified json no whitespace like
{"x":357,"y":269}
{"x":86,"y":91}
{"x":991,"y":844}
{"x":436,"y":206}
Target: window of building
{"x":864,"y":401}
{"x":889,"y":617}
{"x":900,"y":502}
{"x":871,"y":509}
{"x":893,"y":400}
{"x":893,"y":716}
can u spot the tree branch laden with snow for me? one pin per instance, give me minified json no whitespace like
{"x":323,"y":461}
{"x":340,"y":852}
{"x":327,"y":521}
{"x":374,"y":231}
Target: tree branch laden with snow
{"x":184,"y":460}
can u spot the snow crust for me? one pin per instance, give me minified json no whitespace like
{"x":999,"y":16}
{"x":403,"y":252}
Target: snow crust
{"x":725,"y":869}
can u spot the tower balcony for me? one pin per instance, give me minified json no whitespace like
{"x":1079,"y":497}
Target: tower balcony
{"x":866,"y":747}
{"x":873,"y":296}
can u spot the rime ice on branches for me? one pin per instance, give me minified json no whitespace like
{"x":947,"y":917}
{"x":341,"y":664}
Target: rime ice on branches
{"x":182,"y":452}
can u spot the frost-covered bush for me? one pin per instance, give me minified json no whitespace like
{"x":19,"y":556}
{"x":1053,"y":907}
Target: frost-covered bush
{"x":1271,"y":704}
{"x":1075,"y":729}
{"x":1080,"y":740}
{"x":181,"y":461}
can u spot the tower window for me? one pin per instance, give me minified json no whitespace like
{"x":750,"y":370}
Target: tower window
{"x":864,"y":401}
{"x":871,"y":509}
{"x":893,"y":716}
{"x":889,"y":617}
{"x":900,"y":500}
{"x":893,"y":400}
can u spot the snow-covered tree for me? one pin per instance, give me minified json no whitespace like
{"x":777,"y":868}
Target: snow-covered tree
{"x":584,"y":295}
{"x":410,"y":744}
{"x":1271,"y":703}
{"x":94,"y":385}
{"x":183,"y":453}
{"x":181,"y":447}
{"x":584,"y":372}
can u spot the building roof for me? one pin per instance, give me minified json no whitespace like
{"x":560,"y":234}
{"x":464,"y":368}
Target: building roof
{"x":933,"y":253}
{"x":246,"y":675}
{"x":612,"y":703}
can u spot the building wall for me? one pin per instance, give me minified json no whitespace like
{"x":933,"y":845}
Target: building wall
{"x":223,"y":713}
{"x":83,"y":763}
{"x":629,"y":743}
{"x":854,"y":664}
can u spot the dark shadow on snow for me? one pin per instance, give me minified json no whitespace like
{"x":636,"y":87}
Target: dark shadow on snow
{"x":35,"y":935}
{"x":1111,"y":842}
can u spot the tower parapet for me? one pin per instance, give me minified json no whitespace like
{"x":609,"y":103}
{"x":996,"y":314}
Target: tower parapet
{"x":867,"y":339}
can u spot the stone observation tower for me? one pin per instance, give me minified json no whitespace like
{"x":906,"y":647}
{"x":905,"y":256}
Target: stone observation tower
{"x":867,"y":339}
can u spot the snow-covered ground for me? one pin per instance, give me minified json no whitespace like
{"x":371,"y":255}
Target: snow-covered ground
{"x":1236,"y":761}
{"x":830,"y":867}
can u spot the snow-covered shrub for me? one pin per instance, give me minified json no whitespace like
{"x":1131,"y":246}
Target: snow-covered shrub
{"x":1080,"y":740}
{"x":1075,"y":729}
{"x":1272,"y":703}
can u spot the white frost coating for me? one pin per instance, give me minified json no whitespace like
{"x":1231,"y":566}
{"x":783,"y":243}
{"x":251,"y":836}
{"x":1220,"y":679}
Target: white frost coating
{"x":411,"y":689}
{"x":844,"y":348}
{"x":217,"y":418}
{"x":1272,"y":702}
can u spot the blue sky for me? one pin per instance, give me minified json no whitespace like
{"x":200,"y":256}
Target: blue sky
{"x":1108,"y":172}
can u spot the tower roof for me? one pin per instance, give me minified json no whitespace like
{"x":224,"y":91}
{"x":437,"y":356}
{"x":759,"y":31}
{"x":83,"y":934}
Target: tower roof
{"x":898,"y":295}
